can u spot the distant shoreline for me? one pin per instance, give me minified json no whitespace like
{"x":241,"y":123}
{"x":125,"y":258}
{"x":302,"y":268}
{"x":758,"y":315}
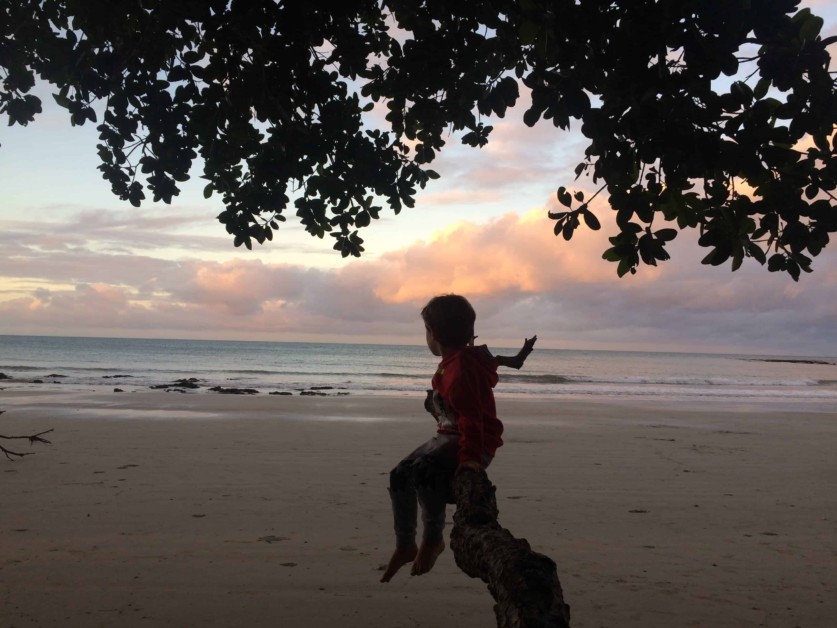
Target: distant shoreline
{"x":347,"y":370}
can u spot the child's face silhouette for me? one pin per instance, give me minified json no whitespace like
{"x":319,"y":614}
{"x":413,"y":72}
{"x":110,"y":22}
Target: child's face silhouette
{"x":432,"y":343}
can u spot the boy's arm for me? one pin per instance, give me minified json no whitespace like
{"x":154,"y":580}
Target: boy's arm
{"x":517,"y":361}
{"x":429,"y":406}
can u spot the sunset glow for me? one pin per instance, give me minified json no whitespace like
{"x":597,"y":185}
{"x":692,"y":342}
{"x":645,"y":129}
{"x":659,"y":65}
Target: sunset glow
{"x":77,"y":261}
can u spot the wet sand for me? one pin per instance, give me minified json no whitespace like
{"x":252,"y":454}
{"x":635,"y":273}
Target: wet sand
{"x":155,"y":509}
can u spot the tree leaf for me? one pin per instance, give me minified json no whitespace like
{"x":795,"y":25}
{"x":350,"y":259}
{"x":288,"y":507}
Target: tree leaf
{"x":760,"y":90}
{"x":243,"y":92}
{"x":624,"y":267}
{"x":564,"y":197}
{"x":666,"y":235}
{"x":62,"y":100}
{"x":568,"y":230}
{"x":591,"y":220}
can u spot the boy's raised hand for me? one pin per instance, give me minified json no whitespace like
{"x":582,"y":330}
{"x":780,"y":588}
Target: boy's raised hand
{"x":516,"y":361}
{"x":528,"y":345}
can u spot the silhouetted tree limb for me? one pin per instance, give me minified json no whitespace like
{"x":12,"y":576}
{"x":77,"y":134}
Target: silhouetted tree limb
{"x":33,"y":438}
{"x":524,"y":583}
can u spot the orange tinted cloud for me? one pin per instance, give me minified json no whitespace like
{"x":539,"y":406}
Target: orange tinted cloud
{"x":520,"y":277}
{"x":512,"y":253}
{"x":239,"y":286}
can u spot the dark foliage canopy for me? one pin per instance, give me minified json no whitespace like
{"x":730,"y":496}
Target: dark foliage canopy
{"x":699,"y":114}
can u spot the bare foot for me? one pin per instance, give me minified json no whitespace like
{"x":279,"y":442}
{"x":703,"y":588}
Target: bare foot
{"x":400,"y":557}
{"x":426,"y":557}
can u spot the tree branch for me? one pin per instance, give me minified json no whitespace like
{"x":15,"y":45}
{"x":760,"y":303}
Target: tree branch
{"x":524,"y":583}
{"x":34,"y":438}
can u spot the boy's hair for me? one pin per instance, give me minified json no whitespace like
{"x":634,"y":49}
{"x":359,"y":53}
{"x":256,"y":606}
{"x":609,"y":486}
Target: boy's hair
{"x":451,"y":319}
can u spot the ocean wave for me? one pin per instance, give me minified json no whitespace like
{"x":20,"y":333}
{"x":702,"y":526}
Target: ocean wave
{"x":236,"y":373}
{"x":422,"y":376}
{"x":386,"y":370}
{"x":519,"y":388}
{"x":11,"y":368}
{"x":689,"y":381}
{"x":78,"y":370}
{"x":535,"y":379}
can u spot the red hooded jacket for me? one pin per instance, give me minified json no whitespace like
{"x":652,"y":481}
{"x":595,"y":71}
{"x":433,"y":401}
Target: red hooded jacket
{"x":464,"y":381}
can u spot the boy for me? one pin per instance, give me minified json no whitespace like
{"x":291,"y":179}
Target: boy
{"x":468,"y":431}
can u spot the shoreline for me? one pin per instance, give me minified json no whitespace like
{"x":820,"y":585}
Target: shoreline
{"x":735,"y":398}
{"x":253,"y":510}
{"x":315,"y":370}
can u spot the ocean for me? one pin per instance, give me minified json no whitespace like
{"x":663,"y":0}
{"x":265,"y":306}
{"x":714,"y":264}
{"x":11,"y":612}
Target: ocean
{"x":45,"y":362}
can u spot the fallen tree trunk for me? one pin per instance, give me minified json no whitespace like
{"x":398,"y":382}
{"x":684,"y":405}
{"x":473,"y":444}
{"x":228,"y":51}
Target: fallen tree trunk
{"x":524,"y":584}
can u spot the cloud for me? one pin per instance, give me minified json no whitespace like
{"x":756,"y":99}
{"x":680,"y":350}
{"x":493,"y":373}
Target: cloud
{"x":541,"y":158}
{"x":520,"y":277}
{"x":170,"y":271}
{"x":509,"y":254}
{"x":456,"y":197}
{"x":239,"y":287}
{"x":127,"y":230}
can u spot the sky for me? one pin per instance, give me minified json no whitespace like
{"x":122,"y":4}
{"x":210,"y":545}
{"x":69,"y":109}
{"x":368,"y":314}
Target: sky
{"x":76,"y":261}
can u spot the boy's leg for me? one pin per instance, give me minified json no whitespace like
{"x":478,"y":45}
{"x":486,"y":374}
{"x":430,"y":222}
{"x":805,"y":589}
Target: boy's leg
{"x":402,"y":492}
{"x":433,"y":476}
{"x":435,"y":492}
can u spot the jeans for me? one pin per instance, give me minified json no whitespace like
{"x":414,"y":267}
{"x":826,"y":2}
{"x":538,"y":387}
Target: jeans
{"x":424,"y":477}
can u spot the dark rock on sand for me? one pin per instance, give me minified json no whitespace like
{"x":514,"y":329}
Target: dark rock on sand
{"x":234,"y":391}
{"x":277,"y":392}
{"x":791,"y":361}
{"x":118,"y":390}
{"x":186,"y":383}
{"x":4,"y":376}
{"x":180,"y":383}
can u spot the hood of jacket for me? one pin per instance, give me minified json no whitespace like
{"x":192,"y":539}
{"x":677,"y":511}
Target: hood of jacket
{"x":478,"y":358}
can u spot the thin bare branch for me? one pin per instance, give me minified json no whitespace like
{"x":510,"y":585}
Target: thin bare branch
{"x":32,"y":438}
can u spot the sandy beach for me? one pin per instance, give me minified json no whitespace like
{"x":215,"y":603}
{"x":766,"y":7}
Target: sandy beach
{"x":161,"y":509}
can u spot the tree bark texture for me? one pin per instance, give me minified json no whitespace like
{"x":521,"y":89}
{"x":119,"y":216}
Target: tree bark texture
{"x":524,"y":584}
